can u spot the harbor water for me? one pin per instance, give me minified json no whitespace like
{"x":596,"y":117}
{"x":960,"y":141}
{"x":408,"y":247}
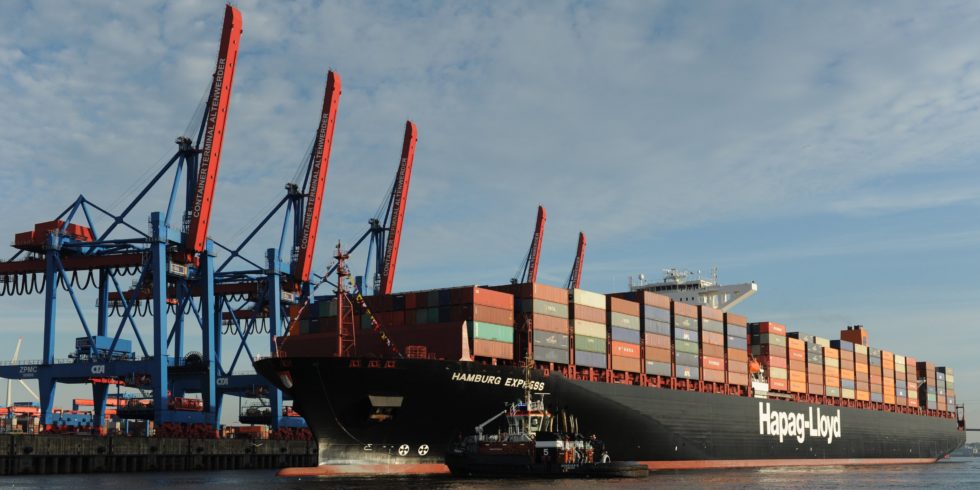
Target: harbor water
{"x":949,"y":473}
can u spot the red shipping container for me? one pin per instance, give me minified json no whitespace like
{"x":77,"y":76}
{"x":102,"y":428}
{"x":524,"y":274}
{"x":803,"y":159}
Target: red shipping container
{"x":713,"y":376}
{"x":684,"y":309}
{"x":712,"y":314}
{"x":778,"y":384}
{"x":733,"y":319}
{"x":738,"y":367}
{"x":772,"y":361}
{"x":799,"y":366}
{"x":797,"y":355}
{"x":623,"y":349}
{"x":588,"y":313}
{"x":624,"y":306}
{"x":740,"y":379}
{"x":489,"y":314}
{"x":713,"y":338}
{"x":772,"y":328}
{"x":713,"y":363}
{"x":712,"y":350}
{"x":626,"y":364}
{"x":660,"y":341}
{"x":548,"y":323}
{"x":492,"y":348}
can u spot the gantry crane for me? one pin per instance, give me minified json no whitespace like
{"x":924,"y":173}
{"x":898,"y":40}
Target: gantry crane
{"x":528,"y":272}
{"x":575,"y":278}
{"x":385,"y":229}
{"x":167,"y":262}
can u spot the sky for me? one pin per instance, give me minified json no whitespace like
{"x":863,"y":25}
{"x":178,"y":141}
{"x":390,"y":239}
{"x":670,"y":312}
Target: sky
{"x":825,"y":150}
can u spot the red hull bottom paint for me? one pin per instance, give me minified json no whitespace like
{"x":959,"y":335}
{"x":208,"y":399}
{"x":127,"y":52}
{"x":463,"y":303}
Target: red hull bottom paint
{"x":365,"y":470}
{"x":760,"y":463}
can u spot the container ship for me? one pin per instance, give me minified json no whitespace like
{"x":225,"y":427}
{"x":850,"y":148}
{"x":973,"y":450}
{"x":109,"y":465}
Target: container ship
{"x":671,"y":384}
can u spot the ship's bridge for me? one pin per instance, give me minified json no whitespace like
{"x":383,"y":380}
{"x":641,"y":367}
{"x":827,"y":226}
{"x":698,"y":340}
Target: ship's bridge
{"x":678,"y":287}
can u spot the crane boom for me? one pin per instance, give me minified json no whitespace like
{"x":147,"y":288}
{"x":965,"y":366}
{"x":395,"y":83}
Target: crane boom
{"x":575,"y":278}
{"x":199,"y":214}
{"x":399,"y":197}
{"x":534,"y":255}
{"x":319,"y":164}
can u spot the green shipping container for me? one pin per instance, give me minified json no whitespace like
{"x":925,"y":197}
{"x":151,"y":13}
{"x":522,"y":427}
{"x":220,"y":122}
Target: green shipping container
{"x":686,"y":346}
{"x":491,"y":331}
{"x":544,"y":307}
{"x":624,"y":321}
{"x":590,"y":344}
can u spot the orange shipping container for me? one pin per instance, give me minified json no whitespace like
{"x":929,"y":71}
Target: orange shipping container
{"x":797,"y":377}
{"x":778,"y":384}
{"x":797,"y":344}
{"x":847,"y":374}
{"x":862,"y":395}
{"x":777,"y":362}
{"x":861,"y":368}
{"x":737,"y":355}
{"x":658,"y":355}
{"x":623,"y":306}
{"x":628,"y":364}
{"x":713,"y":363}
{"x":733,"y":319}
{"x":713,"y":376}
{"x":623,"y":349}
{"x":797,"y":355}
{"x":797,"y":387}
{"x":685,"y":309}
{"x":712,"y":314}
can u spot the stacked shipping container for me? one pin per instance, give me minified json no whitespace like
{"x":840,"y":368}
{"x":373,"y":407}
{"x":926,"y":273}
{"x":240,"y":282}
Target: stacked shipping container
{"x":623,"y":318}
{"x":847,"y":372}
{"x":926,"y":372}
{"x":736,"y":349}
{"x":862,"y":379}
{"x":541,"y":320}
{"x":912,"y":381}
{"x":588,"y":314}
{"x":712,"y":335}
{"x":950,"y":392}
{"x":796,"y":364}
{"x":888,"y":376}
{"x":875,"y":375}
{"x":831,"y":374}
{"x":657,"y":344}
{"x":769,"y":348}
{"x":687,"y":341}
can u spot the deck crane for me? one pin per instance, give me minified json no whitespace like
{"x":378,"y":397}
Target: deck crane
{"x":575,"y":278}
{"x":168,"y":265}
{"x":528,"y":272}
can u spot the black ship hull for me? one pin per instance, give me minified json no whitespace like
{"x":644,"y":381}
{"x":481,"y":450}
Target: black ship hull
{"x":411,"y":411}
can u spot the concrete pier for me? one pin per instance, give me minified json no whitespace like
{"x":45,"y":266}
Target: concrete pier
{"x":54,"y":454}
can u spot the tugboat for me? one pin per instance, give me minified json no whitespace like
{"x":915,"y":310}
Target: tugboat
{"x":536,"y":444}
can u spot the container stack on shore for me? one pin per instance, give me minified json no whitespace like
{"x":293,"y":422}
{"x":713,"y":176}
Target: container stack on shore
{"x":712,"y":335}
{"x":736,"y":349}
{"x":687,"y":355}
{"x":623,"y":319}
{"x":768,"y":340}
